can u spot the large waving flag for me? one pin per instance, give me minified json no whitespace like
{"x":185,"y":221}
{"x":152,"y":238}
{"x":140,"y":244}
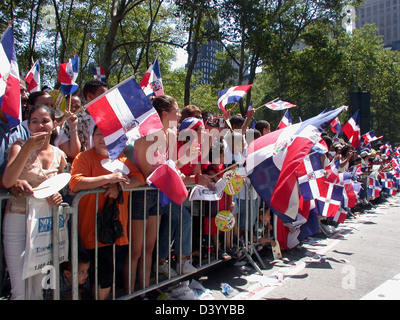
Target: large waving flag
{"x":273,"y":160}
{"x":167,"y":178}
{"x":99,"y":74}
{"x":123,"y":115}
{"x":231,"y":95}
{"x":32,"y":78}
{"x":352,"y":130}
{"x":151,"y":83}
{"x":67,"y":75}
{"x":285,"y":121}
{"x":277,"y":104}
{"x":10,"y":97}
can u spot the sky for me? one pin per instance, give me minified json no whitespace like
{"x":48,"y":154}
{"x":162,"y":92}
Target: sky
{"x":181,"y":59}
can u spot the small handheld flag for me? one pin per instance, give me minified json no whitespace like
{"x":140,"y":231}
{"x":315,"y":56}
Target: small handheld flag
{"x":151,"y":83}
{"x":278,"y":104}
{"x":32,"y":78}
{"x":99,"y":74}
{"x":285,"y":121}
{"x":231,"y":95}
{"x":352,"y":130}
{"x":67,"y":75}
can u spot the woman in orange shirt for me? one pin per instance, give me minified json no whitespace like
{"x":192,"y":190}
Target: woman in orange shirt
{"x":88,"y":173}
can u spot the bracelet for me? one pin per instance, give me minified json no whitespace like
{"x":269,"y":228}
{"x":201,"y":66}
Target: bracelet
{"x":73,"y":130}
{"x":196,"y":178}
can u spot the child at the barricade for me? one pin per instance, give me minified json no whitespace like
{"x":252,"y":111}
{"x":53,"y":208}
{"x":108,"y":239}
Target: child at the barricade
{"x":66,"y":279}
{"x":224,"y":204}
{"x":263,"y":228}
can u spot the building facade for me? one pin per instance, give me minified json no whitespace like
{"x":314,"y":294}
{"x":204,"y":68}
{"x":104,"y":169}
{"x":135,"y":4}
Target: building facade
{"x":386,"y":15}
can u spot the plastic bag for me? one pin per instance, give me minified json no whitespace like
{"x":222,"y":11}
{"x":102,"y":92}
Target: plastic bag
{"x":39,"y":237}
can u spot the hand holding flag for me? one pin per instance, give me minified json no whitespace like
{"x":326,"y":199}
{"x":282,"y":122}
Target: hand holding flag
{"x":124,"y":114}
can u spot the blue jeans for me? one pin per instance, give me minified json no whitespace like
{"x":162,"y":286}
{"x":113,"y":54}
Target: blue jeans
{"x":175,"y":230}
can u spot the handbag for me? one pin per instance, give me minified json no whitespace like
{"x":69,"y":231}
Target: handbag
{"x":109,"y":227}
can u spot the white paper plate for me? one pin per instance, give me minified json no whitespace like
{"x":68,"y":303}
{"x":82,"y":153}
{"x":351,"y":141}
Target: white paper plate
{"x":115,"y":166}
{"x":51,"y":185}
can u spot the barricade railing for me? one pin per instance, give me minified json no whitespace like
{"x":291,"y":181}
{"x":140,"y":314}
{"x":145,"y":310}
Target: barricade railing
{"x":201,"y":248}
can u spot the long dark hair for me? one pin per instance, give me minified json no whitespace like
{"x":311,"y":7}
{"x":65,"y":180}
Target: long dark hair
{"x":51,"y":112}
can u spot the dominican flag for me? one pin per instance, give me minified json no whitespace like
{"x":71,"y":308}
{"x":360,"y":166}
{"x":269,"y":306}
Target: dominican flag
{"x":336,"y":127}
{"x":151,"y":83}
{"x":10,"y":97}
{"x":332,"y":170}
{"x":231,"y":95}
{"x":32,"y":78}
{"x":311,"y":177}
{"x":289,"y":234}
{"x":67,"y":75}
{"x":249,"y":108}
{"x":278,"y":104}
{"x":167,"y":178}
{"x":285,"y":121}
{"x":352,"y":130}
{"x":369,"y":137}
{"x":329,"y":203}
{"x":374,"y":186}
{"x":99,"y":74}
{"x":388,"y":148}
{"x":274,"y":158}
{"x":123,"y":115}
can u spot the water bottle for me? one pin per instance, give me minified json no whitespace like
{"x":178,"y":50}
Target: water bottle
{"x":226,"y":289}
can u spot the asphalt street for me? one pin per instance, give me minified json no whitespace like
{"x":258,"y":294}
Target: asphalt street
{"x":361,"y":260}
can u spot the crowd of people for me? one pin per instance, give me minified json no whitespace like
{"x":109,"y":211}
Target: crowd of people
{"x":43,"y":146}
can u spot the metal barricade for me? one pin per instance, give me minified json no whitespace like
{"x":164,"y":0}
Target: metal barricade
{"x":206,"y":251}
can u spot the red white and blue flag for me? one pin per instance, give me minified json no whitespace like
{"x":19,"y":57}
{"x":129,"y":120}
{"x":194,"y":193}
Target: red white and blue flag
{"x":290,"y":234}
{"x":10,"y":97}
{"x":99,"y":74}
{"x":151,"y":83}
{"x":67,"y":75}
{"x":336,"y":127}
{"x":369,"y":137}
{"x":167,"y":178}
{"x":311,"y":177}
{"x":278,"y":104}
{"x":332,"y":170}
{"x":231,"y":95}
{"x":352,"y":130}
{"x":123,"y":115}
{"x":32,"y":78}
{"x":285,"y":121}
{"x":273,"y":159}
{"x":388,"y":149}
{"x":329,"y":203}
